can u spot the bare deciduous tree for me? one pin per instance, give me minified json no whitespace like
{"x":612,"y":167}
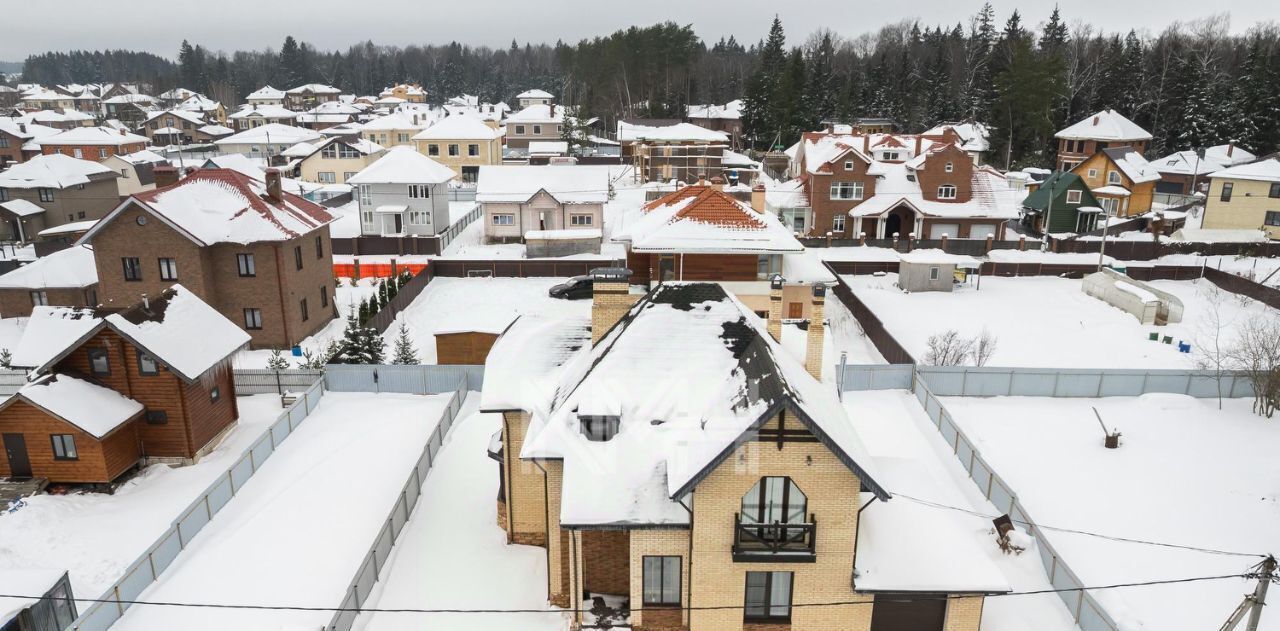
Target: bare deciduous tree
{"x":948,"y":349}
{"x":1256,"y":352}
{"x":1213,"y":353}
{"x":984,"y":346}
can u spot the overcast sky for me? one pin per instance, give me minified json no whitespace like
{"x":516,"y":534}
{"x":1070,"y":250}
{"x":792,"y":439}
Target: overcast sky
{"x":161,"y":25}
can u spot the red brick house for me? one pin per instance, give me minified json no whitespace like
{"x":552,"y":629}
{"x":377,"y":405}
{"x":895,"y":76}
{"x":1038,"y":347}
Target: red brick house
{"x":886,"y":184}
{"x":149,"y":383}
{"x":1104,"y":130}
{"x":93,"y":143}
{"x":257,"y":254}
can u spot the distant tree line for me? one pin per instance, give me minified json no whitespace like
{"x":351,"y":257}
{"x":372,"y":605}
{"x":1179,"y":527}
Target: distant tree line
{"x":1193,"y":84}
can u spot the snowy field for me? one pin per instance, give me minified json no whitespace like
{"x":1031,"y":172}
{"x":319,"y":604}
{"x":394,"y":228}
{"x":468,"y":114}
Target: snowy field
{"x":1186,"y":473}
{"x":96,"y":536}
{"x":479,"y":304}
{"x":1049,"y":322}
{"x":347,"y":295}
{"x":914,"y":460}
{"x":452,"y":554}
{"x":299,"y":529}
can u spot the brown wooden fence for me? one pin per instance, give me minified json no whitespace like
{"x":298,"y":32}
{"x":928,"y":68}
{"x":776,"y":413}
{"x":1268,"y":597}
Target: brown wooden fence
{"x":893,"y":352}
{"x":1243,"y":286}
{"x":381,"y":246}
{"x":518,"y":268}
{"x":385,"y":316}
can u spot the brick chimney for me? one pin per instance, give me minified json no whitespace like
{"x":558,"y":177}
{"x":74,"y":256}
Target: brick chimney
{"x":758,"y":198}
{"x":774,"y":324}
{"x":165,"y":176}
{"x":1231,"y":148}
{"x":813,"y":342}
{"x":1096,"y":119}
{"x":274,"y":188}
{"x":717,"y":182}
{"x":610,"y":299}
{"x":866,"y":144}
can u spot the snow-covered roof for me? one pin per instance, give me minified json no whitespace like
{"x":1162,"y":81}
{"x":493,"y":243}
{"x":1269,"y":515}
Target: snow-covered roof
{"x":1105,"y":125}
{"x":165,"y":327}
{"x":300,"y":150}
{"x":33,"y":583}
{"x":934,"y":256}
{"x":729,"y":111}
{"x":1229,"y":155}
{"x":21,"y":207}
{"x":974,"y":136}
{"x":680,"y":132}
{"x":137,"y":99}
{"x":95,"y":409}
{"x":538,"y":114}
{"x":314,"y":88}
{"x":459,"y":127}
{"x":992,"y":197}
{"x":395,"y":121}
{"x":535,"y":94}
{"x":26,"y":130}
{"x":68,"y":228}
{"x":190,"y":117}
{"x":703,"y":219}
{"x":1186,"y":163}
{"x":199,"y":103}
{"x":689,"y":371}
{"x":271,"y":133}
{"x":554,"y":147}
{"x":403,"y":165}
{"x":54,"y":170}
{"x":265,"y":93}
{"x":566,"y":184}
{"x":542,"y":345}
{"x":216,"y":130}
{"x":1263,"y":170}
{"x":93,"y":136}
{"x":72,"y":268}
{"x":165,"y":131}
{"x":224,"y":206}
{"x":262,"y":111}
{"x":1134,"y":166}
{"x":1112,"y":190}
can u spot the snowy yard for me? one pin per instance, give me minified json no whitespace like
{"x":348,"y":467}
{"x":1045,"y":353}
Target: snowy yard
{"x":96,"y":536}
{"x":298,"y":530}
{"x":452,"y":553}
{"x":479,"y":304}
{"x":1186,"y":473}
{"x":1049,"y":322}
{"x":347,"y":295}
{"x":915,"y":461}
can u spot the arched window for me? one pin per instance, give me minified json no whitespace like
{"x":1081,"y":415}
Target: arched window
{"x":947,"y":191}
{"x":774,"y":500}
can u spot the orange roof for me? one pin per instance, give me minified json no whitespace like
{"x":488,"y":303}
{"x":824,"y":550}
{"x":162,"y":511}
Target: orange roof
{"x":710,"y":206}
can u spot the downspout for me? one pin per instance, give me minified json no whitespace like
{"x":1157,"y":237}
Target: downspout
{"x":689,"y":579}
{"x":546,"y":520}
{"x":858,"y":531}
{"x":284,"y":316}
{"x":506,"y":469}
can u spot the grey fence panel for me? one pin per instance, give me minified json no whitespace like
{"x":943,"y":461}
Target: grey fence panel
{"x":1176,"y":384}
{"x":980,"y":474}
{"x":365,"y":579}
{"x":345,"y":619}
{"x":876,"y":377}
{"x":99,"y":617}
{"x":220,"y":494}
{"x":11,"y":380}
{"x":193,"y":522}
{"x":341,"y":378}
{"x":971,"y":381}
{"x":241,"y":471}
{"x":164,"y":552}
{"x":1034,"y":384}
{"x":135,"y":581}
{"x":1123,"y":385}
{"x":260,"y":451}
{"x":1078,"y":385}
{"x":265,"y":381}
{"x":386,"y":539}
{"x":281,"y":430}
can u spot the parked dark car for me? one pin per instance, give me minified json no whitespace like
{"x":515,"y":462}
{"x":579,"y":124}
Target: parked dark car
{"x":576,"y":288}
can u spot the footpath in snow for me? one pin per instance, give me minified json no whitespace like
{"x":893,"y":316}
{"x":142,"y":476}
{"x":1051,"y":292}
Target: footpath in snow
{"x":299,"y":529}
{"x":96,"y":536}
{"x":452,"y":554}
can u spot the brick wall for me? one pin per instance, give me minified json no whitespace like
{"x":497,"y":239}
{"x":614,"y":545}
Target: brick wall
{"x":964,"y":614}
{"x":609,"y":303}
{"x":526,"y":508}
{"x":658,"y":543}
{"x":934,"y":174}
{"x":825,"y":208}
{"x":606,"y":561}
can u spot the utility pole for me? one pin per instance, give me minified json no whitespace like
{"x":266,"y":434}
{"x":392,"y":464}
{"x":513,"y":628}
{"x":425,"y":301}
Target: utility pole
{"x":1253,"y":603}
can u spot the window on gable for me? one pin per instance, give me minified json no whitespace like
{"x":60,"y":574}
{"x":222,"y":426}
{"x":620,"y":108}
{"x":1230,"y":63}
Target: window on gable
{"x":168,"y":268}
{"x":319,"y":247}
{"x":147,"y":365}
{"x":245,"y":265}
{"x":949,"y":168}
{"x":297,"y":256}
{"x":99,"y":361}
{"x":848,"y":166}
{"x":1073,"y":197}
{"x":599,"y":428}
{"x":1113,"y":177}
{"x":157,"y":417}
{"x":132,"y":268}
{"x":215,"y":394}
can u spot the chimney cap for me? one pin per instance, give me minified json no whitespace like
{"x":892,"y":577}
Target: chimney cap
{"x":758,"y":187}
{"x":819,"y":290}
{"x":776,"y":281}
{"x":615,"y":274}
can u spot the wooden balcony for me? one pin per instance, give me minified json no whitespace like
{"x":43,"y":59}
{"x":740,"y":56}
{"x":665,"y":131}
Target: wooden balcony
{"x":774,"y":543}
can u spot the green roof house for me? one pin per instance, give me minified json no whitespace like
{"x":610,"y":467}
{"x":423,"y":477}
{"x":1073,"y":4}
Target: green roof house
{"x":1062,"y":203}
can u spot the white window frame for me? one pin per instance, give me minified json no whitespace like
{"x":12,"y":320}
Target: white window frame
{"x":327,"y":177}
{"x":1074,"y":197}
{"x":503,"y":219}
{"x":949,"y":168}
{"x":947,"y":191}
{"x":1113,"y":177}
{"x":1093,"y":173}
{"x":581,"y":220}
{"x":837,"y":222}
{"x":846,"y":191}
{"x":420,"y":217}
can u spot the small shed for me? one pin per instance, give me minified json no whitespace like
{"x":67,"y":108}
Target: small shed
{"x":47,"y":601}
{"x":1144,"y":302}
{"x":466,"y":342}
{"x":935,"y":270}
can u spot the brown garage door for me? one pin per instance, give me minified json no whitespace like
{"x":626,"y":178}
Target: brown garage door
{"x":908,"y":612}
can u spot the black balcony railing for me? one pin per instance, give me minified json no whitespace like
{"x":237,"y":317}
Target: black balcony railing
{"x":779,"y":542}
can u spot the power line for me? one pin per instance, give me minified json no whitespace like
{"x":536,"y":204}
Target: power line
{"x":1082,"y":532}
{"x":838,"y":603}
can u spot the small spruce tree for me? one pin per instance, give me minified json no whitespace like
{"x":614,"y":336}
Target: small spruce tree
{"x":405,"y":353}
{"x":6,"y":358}
{"x":277,"y":361}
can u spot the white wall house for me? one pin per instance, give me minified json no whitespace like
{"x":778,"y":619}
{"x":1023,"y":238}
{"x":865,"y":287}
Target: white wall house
{"x":404,"y":193}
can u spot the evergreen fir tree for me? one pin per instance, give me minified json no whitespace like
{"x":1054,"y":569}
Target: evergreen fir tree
{"x":382,"y":295}
{"x":1198,"y":125}
{"x":761,"y":117}
{"x":405,"y":354}
{"x":820,"y":92}
{"x":371,"y":348}
{"x":277,"y":361}
{"x":293,"y":64}
{"x":350,"y":347}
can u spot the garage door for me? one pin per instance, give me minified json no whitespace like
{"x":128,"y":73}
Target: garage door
{"x":908,"y":612}
{"x":981,"y":230}
{"x":938,"y":230}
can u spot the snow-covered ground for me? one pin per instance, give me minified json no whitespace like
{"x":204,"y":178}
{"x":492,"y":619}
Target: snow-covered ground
{"x":96,"y":536}
{"x":452,"y":554}
{"x":300,"y":528}
{"x":1253,"y":267}
{"x":1049,"y":322}
{"x":11,"y":331}
{"x":478,"y":304}
{"x":347,"y":295}
{"x":1186,"y":473}
{"x":897,"y":432}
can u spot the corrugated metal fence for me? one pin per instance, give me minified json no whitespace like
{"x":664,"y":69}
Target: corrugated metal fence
{"x":1088,"y":614}
{"x":376,"y":559}
{"x":143,"y":572}
{"x":266,"y":381}
{"x":11,"y":381}
{"x":423,"y":379}
{"x":969,"y":381}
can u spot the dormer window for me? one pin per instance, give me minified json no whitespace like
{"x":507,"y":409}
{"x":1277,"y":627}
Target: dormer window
{"x":599,"y":428}
{"x":890,"y":155}
{"x":946,"y":191}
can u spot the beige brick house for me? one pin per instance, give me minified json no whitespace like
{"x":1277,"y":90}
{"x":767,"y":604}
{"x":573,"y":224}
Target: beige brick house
{"x":685,"y":471}
{"x":463,"y":143}
{"x":258,"y":255}
{"x":1245,"y":197}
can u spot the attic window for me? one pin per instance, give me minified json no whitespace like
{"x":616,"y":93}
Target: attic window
{"x":950,"y":167}
{"x":848,"y":166}
{"x":1073,"y":197}
{"x":599,"y":428}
